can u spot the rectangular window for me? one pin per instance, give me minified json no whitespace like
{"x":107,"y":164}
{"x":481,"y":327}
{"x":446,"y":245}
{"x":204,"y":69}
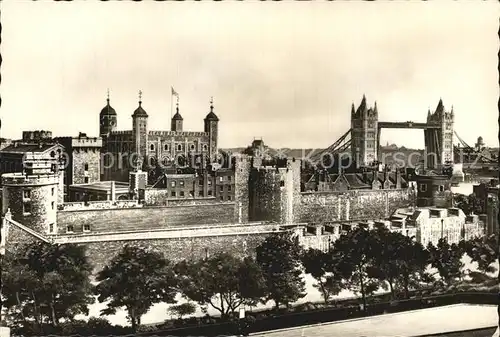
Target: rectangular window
{"x":69,"y":229}
{"x":209,"y":193}
{"x":200,"y":193}
{"x":228,"y":197}
{"x":228,"y":178}
{"x":52,"y":191}
{"x":221,"y":188}
{"x":86,"y":228}
{"x":172,"y":184}
{"x":221,"y":197}
{"x":441,"y":188}
{"x":221,"y":179}
{"x":53,"y":205}
{"x":86,"y":167}
{"x":423,"y":187}
{"x":86,"y":180}
{"x":229,"y":187}
{"x":182,"y":193}
{"x":27,"y":207}
{"x":51,"y":228}
{"x":209,"y":182}
{"x":200,"y":182}
{"x":181,"y":183}
{"x":282,"y":183}
{"x":173,"y":193}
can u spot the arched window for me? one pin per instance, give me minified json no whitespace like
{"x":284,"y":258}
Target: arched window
{"x":192,"y":147}
{"x":166,"y":147}
{"x":152,"y":147}
{"x":179,"y":147}
{"x":205,"y":147}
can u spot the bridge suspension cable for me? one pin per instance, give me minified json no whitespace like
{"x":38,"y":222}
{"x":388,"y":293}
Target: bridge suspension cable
{"x":472,"y":150}
{"x":340,"y":145}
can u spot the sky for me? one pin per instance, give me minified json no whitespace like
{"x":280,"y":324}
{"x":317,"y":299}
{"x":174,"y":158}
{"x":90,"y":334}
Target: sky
{"x":286,"y":72}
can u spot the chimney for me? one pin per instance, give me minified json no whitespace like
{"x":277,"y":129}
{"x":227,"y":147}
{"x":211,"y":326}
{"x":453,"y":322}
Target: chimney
{"x":113,"y":191}
{"x":398,"y":178}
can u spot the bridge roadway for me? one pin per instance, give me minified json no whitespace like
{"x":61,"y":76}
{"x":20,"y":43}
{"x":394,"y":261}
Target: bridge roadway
{"x":406,"y":125}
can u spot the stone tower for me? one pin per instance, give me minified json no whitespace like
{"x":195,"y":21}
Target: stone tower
{"x":212,"y":127}
{"x":107,"y":120}
{"x":364,"y":131}
{"x":439,"y":137}
{"x":140,"y":131}
{"x":32,"y":198}
{"x":177,"y":120}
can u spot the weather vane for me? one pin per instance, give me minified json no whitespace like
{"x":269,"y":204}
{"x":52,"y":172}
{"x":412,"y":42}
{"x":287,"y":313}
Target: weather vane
{"x":140,"y":95}
{"x":108,"y":93}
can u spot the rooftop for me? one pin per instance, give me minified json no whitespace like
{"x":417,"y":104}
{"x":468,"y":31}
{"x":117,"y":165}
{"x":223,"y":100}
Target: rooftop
{"x":101,"y":186}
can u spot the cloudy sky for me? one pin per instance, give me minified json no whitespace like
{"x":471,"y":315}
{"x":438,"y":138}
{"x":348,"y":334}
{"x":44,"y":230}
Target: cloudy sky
{"x":287,"y":71}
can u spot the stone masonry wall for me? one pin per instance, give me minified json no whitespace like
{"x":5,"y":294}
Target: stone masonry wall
{"x":350,"y":205}
{"x":179,"y":249}
{"x":91,"y":157}
{"x":127,"y":219}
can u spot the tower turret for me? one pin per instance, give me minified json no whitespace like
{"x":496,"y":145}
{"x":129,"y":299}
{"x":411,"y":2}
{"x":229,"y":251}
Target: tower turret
{"x":140,"y":129}
{"x":107,"y":119}
{"x":212,"y":127}
{"x":177,"y":120}
{"x":364,"y":134}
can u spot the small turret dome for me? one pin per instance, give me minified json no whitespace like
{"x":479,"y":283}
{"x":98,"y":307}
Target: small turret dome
{"x":140,"y":112}
{"x":211,"y":115}
{"x":108,"y":110}
{"x":177,"y":116}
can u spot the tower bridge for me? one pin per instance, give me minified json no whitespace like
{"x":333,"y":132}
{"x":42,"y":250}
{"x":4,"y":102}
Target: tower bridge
{"x":362,"y":140}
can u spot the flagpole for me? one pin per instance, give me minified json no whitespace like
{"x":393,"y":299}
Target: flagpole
{"x":171,"y":103}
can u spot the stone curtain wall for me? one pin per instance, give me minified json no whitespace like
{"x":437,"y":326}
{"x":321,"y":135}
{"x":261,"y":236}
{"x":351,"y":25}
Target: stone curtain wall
{"x":128,"y":219}
{"x":180,"y":248}
{"x":350,"y":205}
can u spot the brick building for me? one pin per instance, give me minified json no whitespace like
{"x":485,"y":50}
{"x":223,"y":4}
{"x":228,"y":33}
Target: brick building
{"x":489,"y":198}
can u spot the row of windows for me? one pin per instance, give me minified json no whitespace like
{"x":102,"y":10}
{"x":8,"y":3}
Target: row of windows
{"x":166,"y":147}
{"x":423,"y":188}
{"x":200,"y":182}
{"x":182,"y":194}
{"x":71,"y":229}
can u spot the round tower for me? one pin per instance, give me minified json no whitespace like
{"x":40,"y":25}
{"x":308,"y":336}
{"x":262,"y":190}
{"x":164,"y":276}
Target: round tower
{"x":107,"y":119}
{"x":32,"y":200}
{"x":212,"y":127}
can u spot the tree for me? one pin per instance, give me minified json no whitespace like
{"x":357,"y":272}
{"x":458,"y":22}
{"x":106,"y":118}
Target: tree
{"x":324,"y":267}
{"x":222,"y":281}
{"x":398,"y":260}
{"x":136,"y":279}
{"x":279,"y":259}
{"x":447,"y":259}
{"x":356,"y":251}
{"x":182,"y":309}
{"x":483,"y":251}
{"x":46,"y":283}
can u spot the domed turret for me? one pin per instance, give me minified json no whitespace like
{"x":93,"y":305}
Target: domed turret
{"x":176,"y":124}
{"x":107,"y":119}
{"x":211,"y":115}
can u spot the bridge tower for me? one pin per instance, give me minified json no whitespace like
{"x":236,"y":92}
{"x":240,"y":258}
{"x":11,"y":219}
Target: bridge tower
{"x":439,"y":137}
{"x":364,"y":133}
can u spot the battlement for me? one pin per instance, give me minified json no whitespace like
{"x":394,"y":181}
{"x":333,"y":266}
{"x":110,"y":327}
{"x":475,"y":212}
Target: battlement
{"x":176,"y":133}
{"x":126,"y":132}
{"x":20,"y":179}
{"x":82,"y":141}
{"x":37,"y":135}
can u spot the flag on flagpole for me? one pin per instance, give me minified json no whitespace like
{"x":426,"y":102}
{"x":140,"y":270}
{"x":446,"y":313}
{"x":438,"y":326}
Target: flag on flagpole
{"x":174,"y":93}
